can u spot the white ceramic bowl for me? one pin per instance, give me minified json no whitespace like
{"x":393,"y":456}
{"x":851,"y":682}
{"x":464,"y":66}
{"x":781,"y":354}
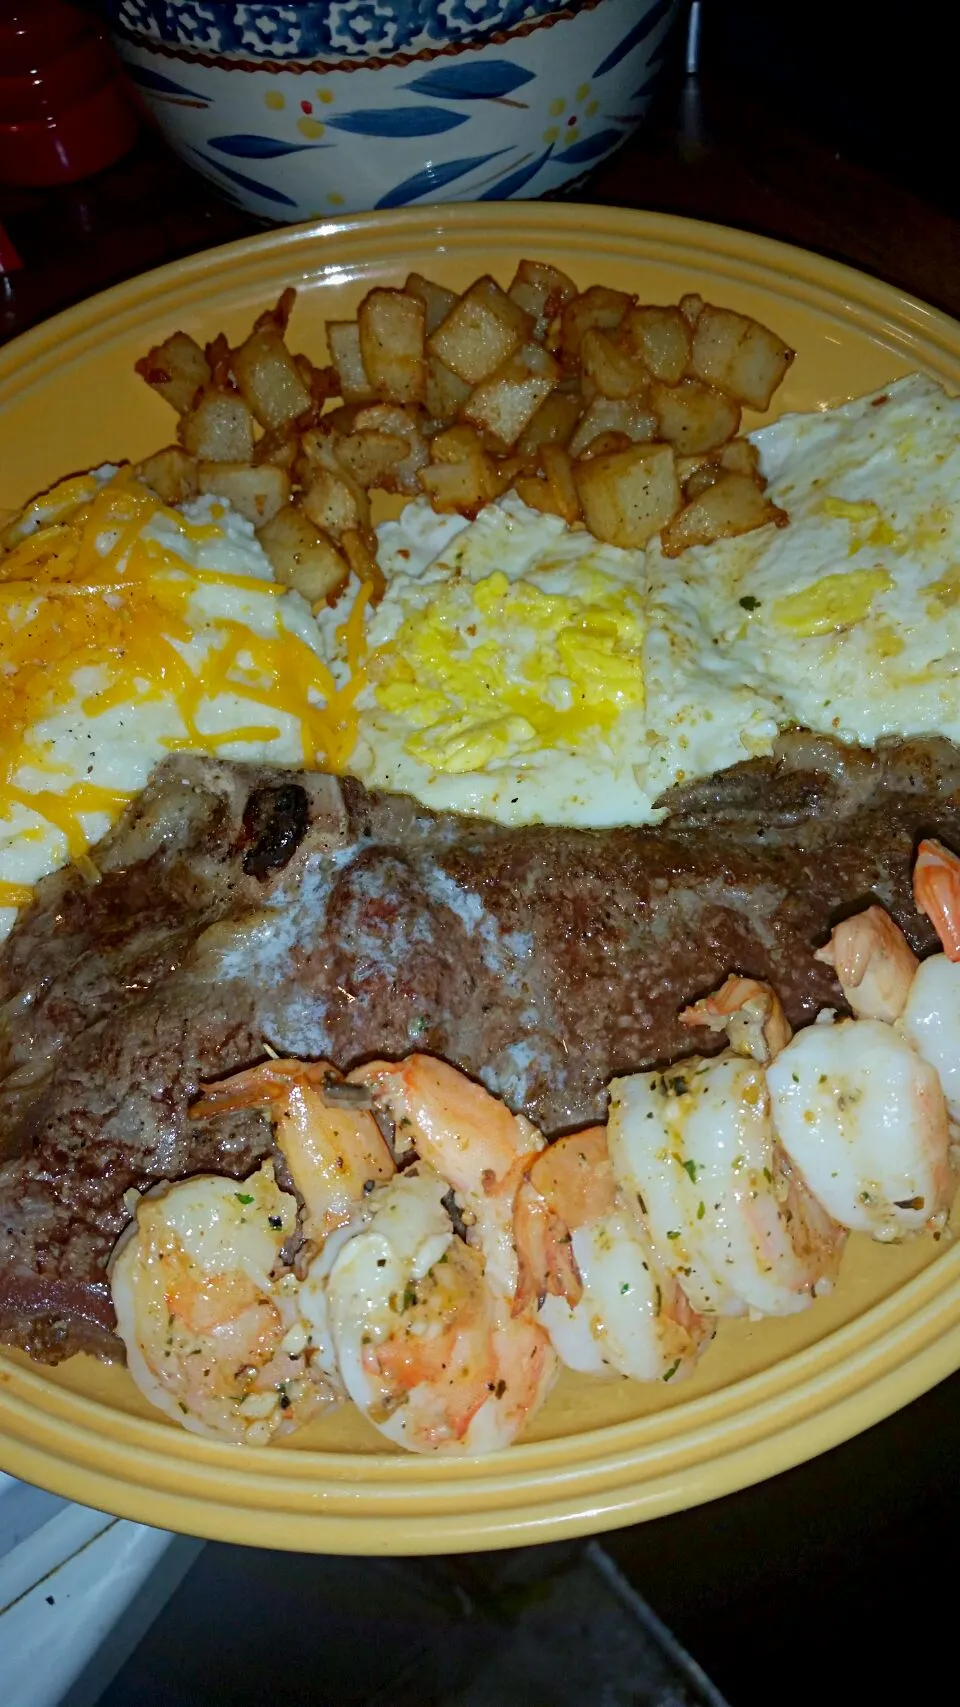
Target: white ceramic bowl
{"x":296,"y":110}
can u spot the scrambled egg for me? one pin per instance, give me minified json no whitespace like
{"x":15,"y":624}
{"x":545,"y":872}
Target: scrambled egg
{"x":129,"y":631}
{"x":505,"y":676}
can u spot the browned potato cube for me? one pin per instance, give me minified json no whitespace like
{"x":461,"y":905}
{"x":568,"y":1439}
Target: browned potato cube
{"x":456,"y":488}
{"x":360,"y":549}
{"x":257,"y":493}
{"x":700,"y":480}
{"x":334,"y":502}
{"x":558,"y":470}
{"x":482,"y":330}
{"x":690,"y":307}
{"x":630,"y":415}
{"x":742,"y":457}
{"x":504,"y":404}
{"x":176,"y":369}
{"x":553,"y":422}
{"x":170,"y":473}
{"x":343,"y":337}
{"x":614,"y":371}
{"x":219,"y":428}
{"x":269,"y":379}
{"x":302,"y":557}
{"x":279,"y":448}
{"x":692,"y":416}
{"x":541,"y":291}
{"x":603,"y":443}
{"x":734,"y":504}
{"x":738,"y":355}
{"x":403,"y":424}
{"x":437,"y":299}
{"x":628,"y":495}
{"x":371,"y":458}
{"x":457,"y":444}
{"x":391,"y":326}
{"x":321,"y":382}
{"x":446,"y":391}
{"x":596,"y":307}
{"x":661,"y":338}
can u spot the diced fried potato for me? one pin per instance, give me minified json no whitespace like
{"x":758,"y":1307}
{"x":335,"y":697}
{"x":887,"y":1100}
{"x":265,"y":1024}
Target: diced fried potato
{"x":595,"y":307}
{"x":220,"y":361}
{"x":734,"y":504}
{"x":279,"y":317}
{"x":436,"y":298}
{"x":700,"y":480}
{"x":360,"y":549}
{"x":661,"y":338}
{"x":558,"y":471}
{"x":537,"y":494}
{"x":404,"y":424}
{"x":739,"y":356}
{"x":482,"y":330}
{"x":321,"y":382}
{"x":391,"y":326}
{"x":279,"y":448}
{"x":176,"y":370}
{"x":628,"y":495}
{"x":219,"y":428}
{"x":630,"y":415}
{"x":603,"y":443}
{"x":302,"y":557}
{"x":457,"y":444}
{"x":170,"y":473}
{"x":541,"y":291}
{"x":614,"y":371}
{"x":553,"y":422}
{"x":742,"y":457}
{"x":690,"y":307}
{"x":456,"y":488}
{"x":343,"y":338}
{"x":504,"y":404}
{"x":257,"y":493}
{"x":692,"y":416}
{"x":446,"y":391}
{"x":269,"y":379}
{"x":370,"y":458}
{"x":335,"y":503}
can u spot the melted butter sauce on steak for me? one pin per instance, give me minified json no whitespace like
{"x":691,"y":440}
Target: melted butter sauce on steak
{"x":240,"y":905}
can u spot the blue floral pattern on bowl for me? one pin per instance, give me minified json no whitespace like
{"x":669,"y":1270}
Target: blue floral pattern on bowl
{"x":490,"y":111}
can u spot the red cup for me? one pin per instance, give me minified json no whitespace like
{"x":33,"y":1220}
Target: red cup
{"x":65,"y":109}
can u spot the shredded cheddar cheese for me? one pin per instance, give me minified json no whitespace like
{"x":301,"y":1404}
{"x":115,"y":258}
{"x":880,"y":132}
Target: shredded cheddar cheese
{"x":94,"y":612}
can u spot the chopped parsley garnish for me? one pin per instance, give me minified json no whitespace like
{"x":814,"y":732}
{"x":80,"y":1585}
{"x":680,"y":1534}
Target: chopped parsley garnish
{"x":244,"y":1197}
{"x":749,"y":602}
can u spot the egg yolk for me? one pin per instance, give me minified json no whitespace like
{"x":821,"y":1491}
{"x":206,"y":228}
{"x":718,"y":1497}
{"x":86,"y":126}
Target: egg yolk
{"x":487,"y":672}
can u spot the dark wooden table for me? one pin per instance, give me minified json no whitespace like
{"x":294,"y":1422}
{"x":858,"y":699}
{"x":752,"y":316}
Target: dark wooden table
{"x":844,"y":1554}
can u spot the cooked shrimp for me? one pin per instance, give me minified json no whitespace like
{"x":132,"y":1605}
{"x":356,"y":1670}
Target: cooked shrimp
{"x":607,"y":1302}
{"x":863,"y":1118}
{"x":208,"y":1313}
{"x":749,"y":1012}
{"x":936,"y":888}
{"x":931,"y":1017}
{"x":334,"y":1151}
{"x":725,"y":1210}
{"x":467,"y":1136}
{"x":874,"y":963}
{"x":427,"y":1349}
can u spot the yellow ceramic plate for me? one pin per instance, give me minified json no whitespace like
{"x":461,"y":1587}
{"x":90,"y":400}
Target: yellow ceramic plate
{"x":768,"y":1394}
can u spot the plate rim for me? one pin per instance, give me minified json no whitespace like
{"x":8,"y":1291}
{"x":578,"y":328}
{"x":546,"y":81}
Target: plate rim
{"x":542,"y":1490}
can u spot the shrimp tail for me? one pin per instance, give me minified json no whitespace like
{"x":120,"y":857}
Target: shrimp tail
{"x":265,"y":1086}
{"x":874,"y":963}
{"x":936,"y":890}
{"x":749,"y":1012}
{"x":547,"y":1266}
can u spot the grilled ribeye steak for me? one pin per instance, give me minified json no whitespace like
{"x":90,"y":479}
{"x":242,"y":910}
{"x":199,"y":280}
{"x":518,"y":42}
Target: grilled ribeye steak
{"x":240,"y":905}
